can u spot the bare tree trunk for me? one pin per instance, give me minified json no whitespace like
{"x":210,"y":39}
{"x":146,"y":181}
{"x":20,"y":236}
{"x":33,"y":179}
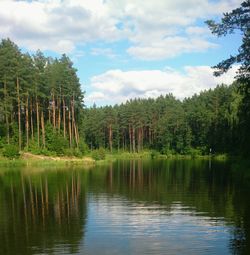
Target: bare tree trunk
{"x":138,"y":139}
{"x":6,"y":112}
{"x":31,"y":120}
{"x":54,"y":110}
{"x":43,"y":129}
{"x":19,"y":115}
{"x":74,"y":131}
{"x":27,"y":121}
{"x":64,"y":118}
{"x":59,"y":115}
{"x":142,"y":137}
{"x":37,"y":123}
{"x":110,"y":137}
{"x":133,"y":138}
{"x":49,"y":114}
{"x":70,"y":137}
{"x":130,"y":138}
{"x":77,"y":133}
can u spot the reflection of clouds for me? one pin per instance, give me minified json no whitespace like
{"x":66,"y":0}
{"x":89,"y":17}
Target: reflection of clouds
{"x":133,"y":228}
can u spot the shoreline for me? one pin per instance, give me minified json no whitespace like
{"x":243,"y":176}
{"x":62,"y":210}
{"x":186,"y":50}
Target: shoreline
{"x":29,"y":158}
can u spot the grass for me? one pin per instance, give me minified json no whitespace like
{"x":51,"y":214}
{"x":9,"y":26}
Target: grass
{"x":32,"y":159}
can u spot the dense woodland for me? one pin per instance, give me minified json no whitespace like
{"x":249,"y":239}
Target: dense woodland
{"x":211,"y":119}
{"x":42,"y":111}
{"x":40,"y":101}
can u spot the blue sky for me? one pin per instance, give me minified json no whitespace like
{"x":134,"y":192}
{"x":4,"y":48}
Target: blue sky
{"x":126,"y":49}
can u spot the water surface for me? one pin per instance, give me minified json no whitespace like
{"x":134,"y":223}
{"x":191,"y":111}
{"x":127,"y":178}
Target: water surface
{"x":127,"y":207}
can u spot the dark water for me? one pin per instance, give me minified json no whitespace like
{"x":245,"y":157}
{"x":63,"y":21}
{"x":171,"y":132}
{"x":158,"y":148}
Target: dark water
{"x":128,"y":207}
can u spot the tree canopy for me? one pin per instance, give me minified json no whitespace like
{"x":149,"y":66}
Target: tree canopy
{"x":238,"y":20}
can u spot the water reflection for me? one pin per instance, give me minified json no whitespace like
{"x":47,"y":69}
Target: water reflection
{"x":128,"y":207}
{"x":40,"y":213}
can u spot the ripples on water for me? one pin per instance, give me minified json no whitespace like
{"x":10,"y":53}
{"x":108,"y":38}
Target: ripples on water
{"x":150,"y":207}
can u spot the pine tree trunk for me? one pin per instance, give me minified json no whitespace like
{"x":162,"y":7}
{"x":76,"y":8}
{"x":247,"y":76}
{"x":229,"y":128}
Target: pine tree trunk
{"x":43,"y":128}
{"x":64,"y":118}
{"x":38,"y":123}
{"x":31,"y":120}
{"x":54,"y":110}
{"x":19,"y":115}
{"x":130,"y":138}
{"x":59,"y":115}
{"x":6,"y":112}
{"x":69,"y":122}
{"x":133,"y":138}
{"x":49,"y":114}
{"x":27,"y":121}
{"x":78,"y":136}
{"x":138,"y":139}
{"x":110,"y":137}
{"x":142,"y":137}
{"x":74,"y":132}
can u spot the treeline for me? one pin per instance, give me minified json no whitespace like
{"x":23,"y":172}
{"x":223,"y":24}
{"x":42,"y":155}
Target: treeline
{"x":41,"y":110}
{"x":41,"y":101}
{"x":210,"y":121}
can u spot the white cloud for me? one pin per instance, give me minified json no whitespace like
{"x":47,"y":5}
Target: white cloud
{"x":156,"y":28}
{"x":116,"y":86}
{"x":170,"y":47}
{"x":153,"y":27}
{"x":56,"y":25}
{"x":107,"y":52}
{"x":196,"y":30}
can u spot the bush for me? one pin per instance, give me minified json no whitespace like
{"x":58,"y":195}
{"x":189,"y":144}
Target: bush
{"x":11,"y":151}
{"x":98,"y":154}
{"x":55,"y":142}
{"x":154,"y":154}
{"x":83,"y":147}
{"x":77,"y":153}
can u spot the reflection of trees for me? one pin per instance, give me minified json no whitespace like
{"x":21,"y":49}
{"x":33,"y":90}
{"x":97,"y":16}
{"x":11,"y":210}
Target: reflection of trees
{"x":241,"y":241}
{"x":215,"y":192}
{"x":40,"y":212}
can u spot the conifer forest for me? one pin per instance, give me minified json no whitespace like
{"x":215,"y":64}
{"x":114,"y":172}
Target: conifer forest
{"x":42,"y":111}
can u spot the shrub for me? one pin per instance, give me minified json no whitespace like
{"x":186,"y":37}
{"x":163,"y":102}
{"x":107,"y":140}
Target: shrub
{"x":11,"y":151}
{"x":83,"y":147}
{"x":55,"y":142}
{"x":154,"y":154}
{"x":77,"y":153}
{"x":98,"y":154}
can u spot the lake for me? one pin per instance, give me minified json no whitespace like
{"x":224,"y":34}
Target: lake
{"x":126,"y":207}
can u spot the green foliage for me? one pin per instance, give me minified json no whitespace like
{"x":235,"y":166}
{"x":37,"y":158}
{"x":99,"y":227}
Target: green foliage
{"x":194,"y":152}
{"x":237,"y":20}
{"x":55,"y":142}
{"x":98,"y":154}
{"x":83,"y":147}
{"x":154,"y":154}
{"x":11,"y":151}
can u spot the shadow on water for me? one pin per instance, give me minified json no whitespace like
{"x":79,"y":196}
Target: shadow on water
{"x":47,"y":212}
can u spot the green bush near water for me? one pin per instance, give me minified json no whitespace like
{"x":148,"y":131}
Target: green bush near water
{"x":99,"y":154}
{"x":11,"y":151}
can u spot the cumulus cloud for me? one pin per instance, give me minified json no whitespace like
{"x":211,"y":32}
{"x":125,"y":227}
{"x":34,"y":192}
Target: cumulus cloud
{"x":155,"y":29}
{"x":170,"y":47}
{"x":107,"y":52}
{"x":116,"y":86}
{"x":56,"y":25}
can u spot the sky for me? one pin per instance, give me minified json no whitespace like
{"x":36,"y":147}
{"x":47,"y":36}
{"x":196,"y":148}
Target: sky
{"x":126,"y":48}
